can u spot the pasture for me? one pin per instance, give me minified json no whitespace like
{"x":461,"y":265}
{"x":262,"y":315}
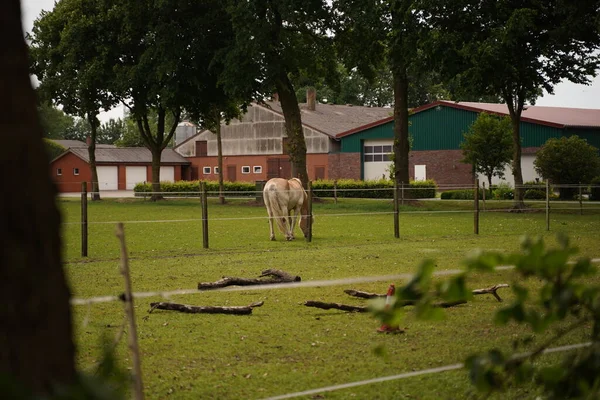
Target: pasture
{"x":284,"y":346}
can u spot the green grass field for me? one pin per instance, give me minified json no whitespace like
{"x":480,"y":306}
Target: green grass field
{"x":284,"y":346}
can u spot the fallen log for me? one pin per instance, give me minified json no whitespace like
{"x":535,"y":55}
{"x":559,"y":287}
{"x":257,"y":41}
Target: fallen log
{"x":346,"y":307}
{"x":185,"y":308}
{"x":492,"y":290}
{"x":275,"y":276}
{"x":337,"y":306}
{"x":368,"y":295}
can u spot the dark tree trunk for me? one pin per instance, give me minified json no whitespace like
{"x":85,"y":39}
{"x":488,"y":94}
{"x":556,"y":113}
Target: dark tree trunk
{"x":93,"y":121}
{"x":293,"y":127}
{"x":36,"y":347}
{"x":219,"y":156}
{"x":401,"y":145}
{"x":515,"y":102}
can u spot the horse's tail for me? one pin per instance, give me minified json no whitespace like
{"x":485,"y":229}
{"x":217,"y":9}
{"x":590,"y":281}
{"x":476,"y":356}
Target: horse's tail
{"x":272,"y":201}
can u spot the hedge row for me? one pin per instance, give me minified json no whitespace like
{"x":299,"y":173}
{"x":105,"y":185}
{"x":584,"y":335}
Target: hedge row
{"x":183,"y":188}
{"x":322,"y":188}
{"x":380,"y":189}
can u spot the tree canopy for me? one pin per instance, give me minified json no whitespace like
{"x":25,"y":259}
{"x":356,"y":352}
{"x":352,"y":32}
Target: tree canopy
{"x":514,"y":50}
{"x":488,"y":145}
{"x":568,"y":160}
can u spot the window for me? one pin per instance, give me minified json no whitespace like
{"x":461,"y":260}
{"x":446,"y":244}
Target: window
{"x":59,"y":171}
{"x":75,"y":171}
{"x":206,"y":170}
{"x":257,"y":169}
{"x":379,"y":153}
{"x":201,"y":148}
{"x":216,"y":169}
{"x":246,"y":169}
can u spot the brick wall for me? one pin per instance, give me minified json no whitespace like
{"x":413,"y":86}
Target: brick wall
{"x":443,"y":166}
{"x":344,"y":165}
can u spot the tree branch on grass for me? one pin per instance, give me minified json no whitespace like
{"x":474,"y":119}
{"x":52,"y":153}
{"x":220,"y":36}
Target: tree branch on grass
{"x":275,"y":276}
{"x":368,"y":295}
{"x":185,"y":308}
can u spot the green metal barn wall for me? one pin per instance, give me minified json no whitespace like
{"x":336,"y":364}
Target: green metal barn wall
{"x":442,"y":128}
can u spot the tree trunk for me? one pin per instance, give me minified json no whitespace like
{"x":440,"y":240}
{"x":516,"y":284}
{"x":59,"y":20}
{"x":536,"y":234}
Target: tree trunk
{"x":36,"y":351}
{"x":401,"y":145}
{"x":156,"y":154}
{"x":219,"y":156}
{"x":293,"y":127}
{"x":93,"y":121}
{"x":518,"y":203}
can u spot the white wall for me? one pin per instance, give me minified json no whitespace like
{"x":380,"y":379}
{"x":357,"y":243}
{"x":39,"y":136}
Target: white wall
{"x":527,"y":169}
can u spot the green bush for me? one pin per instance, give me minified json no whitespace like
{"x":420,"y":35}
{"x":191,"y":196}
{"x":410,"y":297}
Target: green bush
{"x":503,"y":191}
{"x":463,"y":194}
{"x":535,"y":194}
{"x":183,"y":188}
{"x":595,"y":189}
{"x":379,"y":189}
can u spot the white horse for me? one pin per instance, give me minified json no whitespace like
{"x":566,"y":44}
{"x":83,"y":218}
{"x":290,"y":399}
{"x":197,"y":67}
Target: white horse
{"x":285,"y":199}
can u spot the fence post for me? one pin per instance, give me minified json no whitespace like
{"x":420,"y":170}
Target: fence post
{"x":580,"y":201}
{"x":396,"y":213}
{"x":138,"y":387}
{"x":260,"y":185}
{"x":476,"y":205}
{"x":84,"y":220}
{"x":335,"y":191}
{"x":309,"y":211}
{"x":204,"y":204}
{"x":547,"y":206}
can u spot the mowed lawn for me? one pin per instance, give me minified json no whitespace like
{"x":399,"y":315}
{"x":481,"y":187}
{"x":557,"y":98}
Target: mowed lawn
{"x":284,"y":346}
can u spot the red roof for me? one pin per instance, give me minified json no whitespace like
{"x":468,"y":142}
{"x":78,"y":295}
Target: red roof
{"x":558,"y":117}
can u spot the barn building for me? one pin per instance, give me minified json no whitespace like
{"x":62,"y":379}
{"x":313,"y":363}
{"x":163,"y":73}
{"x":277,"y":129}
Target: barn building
{"x":254,"y":147}
{"x":119,"y":168}
{"x":437,"y":130}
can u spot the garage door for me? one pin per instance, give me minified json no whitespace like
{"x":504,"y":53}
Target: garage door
{"x":108,"y":177}
{"x":135,"y":175}
{"x":167,"y":174}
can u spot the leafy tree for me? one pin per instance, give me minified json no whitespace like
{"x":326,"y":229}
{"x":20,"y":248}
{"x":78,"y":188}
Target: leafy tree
{"x":80,"y":130}
{"x":55,"y":123}
{"x":53,"y":149}
{"x":514,"y":49}
{"x":131,"y":135}
{"x":565,"y":303}
{"x":70,"y":56}
{"x":111,"y":131}
{"x":372,"y":35}
{"x":275,"y":41}
{"x":568,"y":160}
{"x":488,"y":145}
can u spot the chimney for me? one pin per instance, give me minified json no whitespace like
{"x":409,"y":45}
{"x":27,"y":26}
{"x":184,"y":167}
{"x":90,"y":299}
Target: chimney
{"x":311,"y":98}
{"x":88,"y":140}
{"x":275,"y":96}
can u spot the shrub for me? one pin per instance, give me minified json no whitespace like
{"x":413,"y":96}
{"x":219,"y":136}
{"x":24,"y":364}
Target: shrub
{"x":376,"y":189}
{"x":535,"y":194}
{"x":182,"y":188}
{"x":503,"y":191}
{"x":463,"y":194}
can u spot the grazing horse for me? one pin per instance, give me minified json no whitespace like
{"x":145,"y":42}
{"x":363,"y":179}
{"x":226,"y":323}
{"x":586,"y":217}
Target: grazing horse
{"x":285,"y":199}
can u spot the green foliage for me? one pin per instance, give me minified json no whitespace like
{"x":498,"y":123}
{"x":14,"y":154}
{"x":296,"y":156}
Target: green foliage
{"x":503,"y":191}
{"x":186,"y":188}
{"x":53,"y":149}
{"x":566,"y":298}
{"x":55,"y":123}
{"x":488,"y":145}
{"x":568,"y":160}
{"x":379,"y":189}
{"x":461,"y":194}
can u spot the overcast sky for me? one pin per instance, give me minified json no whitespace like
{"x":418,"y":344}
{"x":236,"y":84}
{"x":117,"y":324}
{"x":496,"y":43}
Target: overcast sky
{"x":566,"y":94}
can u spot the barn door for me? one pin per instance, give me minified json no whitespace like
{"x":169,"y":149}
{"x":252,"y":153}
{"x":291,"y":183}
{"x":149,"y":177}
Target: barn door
{"x":279,"y":168}
{"x":231,"y":173}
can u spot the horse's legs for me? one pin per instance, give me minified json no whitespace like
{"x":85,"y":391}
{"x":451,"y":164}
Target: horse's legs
{"x":271,"y":223}
{"x":293,"y":220}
